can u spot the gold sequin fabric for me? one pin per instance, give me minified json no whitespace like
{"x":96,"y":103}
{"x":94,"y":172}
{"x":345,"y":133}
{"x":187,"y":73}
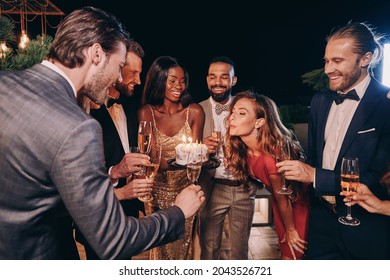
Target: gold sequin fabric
{"x":167,"y":185}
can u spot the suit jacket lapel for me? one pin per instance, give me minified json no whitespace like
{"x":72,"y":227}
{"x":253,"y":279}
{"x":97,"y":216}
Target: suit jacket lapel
{"x":326,"y":101}
{"x":103,"y":116}
{"x":366,"y":106}
{"x":130,"y":108}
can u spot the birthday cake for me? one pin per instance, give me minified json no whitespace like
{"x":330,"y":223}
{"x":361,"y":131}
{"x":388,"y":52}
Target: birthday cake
{"x":186,"y":152}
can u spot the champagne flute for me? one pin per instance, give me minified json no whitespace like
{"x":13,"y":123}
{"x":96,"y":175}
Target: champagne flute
{"x":144,"y":136}
{"x":349,"y":185}
{"x":144,"y":139}
{"x":282,"y":154}
{"x":194,"y":164}
{"x":151,"y":169}
{"x":217,"y":134}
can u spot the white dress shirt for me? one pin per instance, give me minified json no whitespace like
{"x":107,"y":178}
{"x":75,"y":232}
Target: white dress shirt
{"x":338,"y":122}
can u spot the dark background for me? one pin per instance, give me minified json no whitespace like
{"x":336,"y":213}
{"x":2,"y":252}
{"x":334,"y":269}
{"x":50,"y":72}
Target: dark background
{"x":273,"y":43}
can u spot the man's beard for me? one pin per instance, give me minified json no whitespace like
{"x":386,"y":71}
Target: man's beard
{"x":124,"y":89}
{"x":96,"y":89}
{"x":220,"y":97}
{"x":348,"y":79}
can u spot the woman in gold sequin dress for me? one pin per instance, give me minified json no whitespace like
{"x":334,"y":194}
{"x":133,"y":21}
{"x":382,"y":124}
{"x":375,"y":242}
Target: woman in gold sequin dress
{"x":167,"y":105}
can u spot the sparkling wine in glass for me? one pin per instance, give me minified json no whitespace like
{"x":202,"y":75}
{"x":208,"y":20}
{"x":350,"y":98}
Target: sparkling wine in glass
{"x":151,"y":169}
{"x":144,"y":136}
{"x":218,"y":134}
{"x":194,"y":163}
{"x":282,"y":154}
{"x":144,"y":139}
{"x":349,"y":185}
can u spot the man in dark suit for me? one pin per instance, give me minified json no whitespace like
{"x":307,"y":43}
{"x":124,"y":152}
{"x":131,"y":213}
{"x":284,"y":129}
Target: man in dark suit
{"x":352,"y":119}
{"x":51,"y":151}
{"x":118,"y":118}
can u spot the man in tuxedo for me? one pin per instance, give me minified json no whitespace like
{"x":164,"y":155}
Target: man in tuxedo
{"x":352,"y":119}
{"x":226,"y":196}
{"x":118,"y":118}
{"x":51,"y":151}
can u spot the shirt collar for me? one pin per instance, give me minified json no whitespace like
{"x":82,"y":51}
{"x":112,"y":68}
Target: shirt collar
{"x":361,"y":87}
{"x":55,"y":68}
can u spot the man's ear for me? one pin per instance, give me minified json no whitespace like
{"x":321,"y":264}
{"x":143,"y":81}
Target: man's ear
{"x":234,"y":80}
{"x":97,"y":53}
{"x":366,"y":59}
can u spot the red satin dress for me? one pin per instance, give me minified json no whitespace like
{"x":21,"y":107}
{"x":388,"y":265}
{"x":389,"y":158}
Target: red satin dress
{"x":261,"y":168}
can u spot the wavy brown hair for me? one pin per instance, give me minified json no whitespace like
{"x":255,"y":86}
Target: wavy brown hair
{"x":268,"y":135}
{"x":81,"y":29}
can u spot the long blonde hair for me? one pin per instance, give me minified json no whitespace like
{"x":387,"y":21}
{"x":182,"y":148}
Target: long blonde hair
{"x":268,"y":135}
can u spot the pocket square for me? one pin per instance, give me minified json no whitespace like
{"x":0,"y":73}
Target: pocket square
{"x":367,"y":130}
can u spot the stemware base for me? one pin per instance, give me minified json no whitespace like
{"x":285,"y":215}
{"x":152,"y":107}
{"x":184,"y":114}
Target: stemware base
{"x":349,"y":221}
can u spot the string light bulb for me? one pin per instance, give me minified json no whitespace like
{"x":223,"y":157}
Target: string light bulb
{"x":3,"y":50}
{"x":23,"y":40}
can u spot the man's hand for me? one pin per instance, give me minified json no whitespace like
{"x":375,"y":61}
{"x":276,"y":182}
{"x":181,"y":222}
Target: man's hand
{"x":296,"y":170}
{"x":130,"y":163}
{"x":212,"y":144}
{"x":190,"y":199}
{"x":134,"y":189}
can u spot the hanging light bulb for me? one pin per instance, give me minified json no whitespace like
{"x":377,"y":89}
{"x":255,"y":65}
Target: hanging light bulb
{"x":23,"y":40}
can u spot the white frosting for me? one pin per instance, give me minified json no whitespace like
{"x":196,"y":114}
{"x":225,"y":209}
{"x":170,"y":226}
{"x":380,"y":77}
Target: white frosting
{"x":187,"y":151}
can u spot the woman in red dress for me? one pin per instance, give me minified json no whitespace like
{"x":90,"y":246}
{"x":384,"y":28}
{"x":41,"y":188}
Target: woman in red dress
{"x":254,"y":130}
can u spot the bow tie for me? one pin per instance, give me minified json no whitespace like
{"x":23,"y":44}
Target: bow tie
{"x":339,"y":98}
{"x":112,"y":101}
{"x":219,"y":108}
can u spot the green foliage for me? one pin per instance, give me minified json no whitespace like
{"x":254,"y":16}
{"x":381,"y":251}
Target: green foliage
{"x":35,"y":52}
{"x":294,"y":113}
{"x":316,"y":79}
{"x":18,"y":59}
{"x":6,"y":30}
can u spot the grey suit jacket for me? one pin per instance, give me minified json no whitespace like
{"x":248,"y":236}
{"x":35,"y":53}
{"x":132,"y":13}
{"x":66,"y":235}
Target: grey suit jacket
{"x":52,"y":164}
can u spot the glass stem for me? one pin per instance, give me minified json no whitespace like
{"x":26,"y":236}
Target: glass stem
{"x":349,"y":215}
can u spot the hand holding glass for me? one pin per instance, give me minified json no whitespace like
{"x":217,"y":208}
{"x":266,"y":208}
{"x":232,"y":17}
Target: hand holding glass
{"x":349,"y":185}
{"x":283,"y":153}
{"x":151,"y":169}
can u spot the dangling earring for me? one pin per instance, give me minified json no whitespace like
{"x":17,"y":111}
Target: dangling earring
{"x":256,"y":132}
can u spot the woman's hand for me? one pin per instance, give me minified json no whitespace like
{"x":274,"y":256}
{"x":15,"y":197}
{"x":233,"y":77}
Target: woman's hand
{"x":295,"y":243}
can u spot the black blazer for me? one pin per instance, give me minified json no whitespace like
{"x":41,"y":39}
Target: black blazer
{"x":368,"y":139}
{"x":113,"y":149}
